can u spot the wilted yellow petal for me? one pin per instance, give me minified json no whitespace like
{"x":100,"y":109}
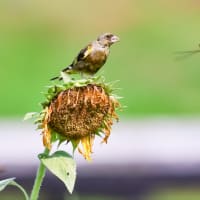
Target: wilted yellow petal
{"x":87,"y":143}
{"x":47,"y":138}
{"x":46,"y":131}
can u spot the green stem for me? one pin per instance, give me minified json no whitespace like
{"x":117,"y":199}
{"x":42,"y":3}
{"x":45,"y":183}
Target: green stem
{"x":39,"y":178}
{"x":21,"y":188}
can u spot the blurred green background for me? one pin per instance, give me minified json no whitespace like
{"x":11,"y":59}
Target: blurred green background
{"x":39,"y":38}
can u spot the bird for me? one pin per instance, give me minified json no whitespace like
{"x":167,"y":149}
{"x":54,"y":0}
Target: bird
{"x":92,"y":57}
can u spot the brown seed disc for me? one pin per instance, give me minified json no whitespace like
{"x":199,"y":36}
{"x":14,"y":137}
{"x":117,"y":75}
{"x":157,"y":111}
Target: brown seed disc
{"x":79,"y":111}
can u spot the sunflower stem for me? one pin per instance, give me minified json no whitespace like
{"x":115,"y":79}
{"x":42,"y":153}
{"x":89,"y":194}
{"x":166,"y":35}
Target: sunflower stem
{"x":38,"y":179}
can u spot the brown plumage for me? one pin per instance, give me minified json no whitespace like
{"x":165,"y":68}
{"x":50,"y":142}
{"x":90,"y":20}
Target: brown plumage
{"x":91,"y":58}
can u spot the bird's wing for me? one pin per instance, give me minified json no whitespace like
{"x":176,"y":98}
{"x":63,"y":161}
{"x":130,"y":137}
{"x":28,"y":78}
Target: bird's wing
{"x":83,"y":54}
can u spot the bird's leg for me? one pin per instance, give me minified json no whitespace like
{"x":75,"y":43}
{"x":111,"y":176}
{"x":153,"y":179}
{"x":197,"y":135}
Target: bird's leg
{"x":84,"y":76}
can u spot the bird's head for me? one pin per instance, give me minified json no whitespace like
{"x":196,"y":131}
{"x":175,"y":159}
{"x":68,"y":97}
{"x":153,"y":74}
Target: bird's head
{"x":107,"y":39}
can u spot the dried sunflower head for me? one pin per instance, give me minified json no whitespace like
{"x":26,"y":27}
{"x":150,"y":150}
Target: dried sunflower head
{"x":77,"y":111}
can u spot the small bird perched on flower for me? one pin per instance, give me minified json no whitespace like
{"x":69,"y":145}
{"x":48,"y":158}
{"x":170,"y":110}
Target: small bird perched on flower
{"x":91,"y":58}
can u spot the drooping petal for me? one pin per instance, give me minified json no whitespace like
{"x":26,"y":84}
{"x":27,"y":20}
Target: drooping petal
{"x":87,"y":143}
{"x":46,"y":130}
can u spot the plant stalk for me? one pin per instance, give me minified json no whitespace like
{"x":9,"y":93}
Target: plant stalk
{"x":21,"y":188}
{"x":39,"y":178}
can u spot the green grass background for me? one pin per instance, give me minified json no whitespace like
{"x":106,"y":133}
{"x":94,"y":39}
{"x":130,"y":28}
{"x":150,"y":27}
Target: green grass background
{"x":39,"y":38}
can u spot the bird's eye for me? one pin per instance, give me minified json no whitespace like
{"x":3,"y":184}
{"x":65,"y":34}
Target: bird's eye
{"x":108,"y":36}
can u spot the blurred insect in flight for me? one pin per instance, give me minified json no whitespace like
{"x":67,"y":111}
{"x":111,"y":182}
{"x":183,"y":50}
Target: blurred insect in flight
{"x":185,"y":54}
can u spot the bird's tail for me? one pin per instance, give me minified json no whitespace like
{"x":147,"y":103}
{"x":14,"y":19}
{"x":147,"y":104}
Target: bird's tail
{"x":55,"y":78}
{"x":66,"y":70}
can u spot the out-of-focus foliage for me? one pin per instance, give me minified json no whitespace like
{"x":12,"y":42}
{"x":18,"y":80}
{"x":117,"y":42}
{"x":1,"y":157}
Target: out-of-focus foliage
{"x":182,"y":193}
{"x":39,"y":38}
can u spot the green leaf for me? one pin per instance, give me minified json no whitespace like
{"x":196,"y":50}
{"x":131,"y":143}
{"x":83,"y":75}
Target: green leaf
{"x":75,"y":144}
{"x":62,"y":165}
{"x":4,"y":183}
{"x":30,"y":115}
{"x":57,"y":137}
{"x":10,"y":181}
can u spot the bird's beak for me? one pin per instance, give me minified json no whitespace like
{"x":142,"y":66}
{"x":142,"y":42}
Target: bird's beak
{"x":114,"y":39}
